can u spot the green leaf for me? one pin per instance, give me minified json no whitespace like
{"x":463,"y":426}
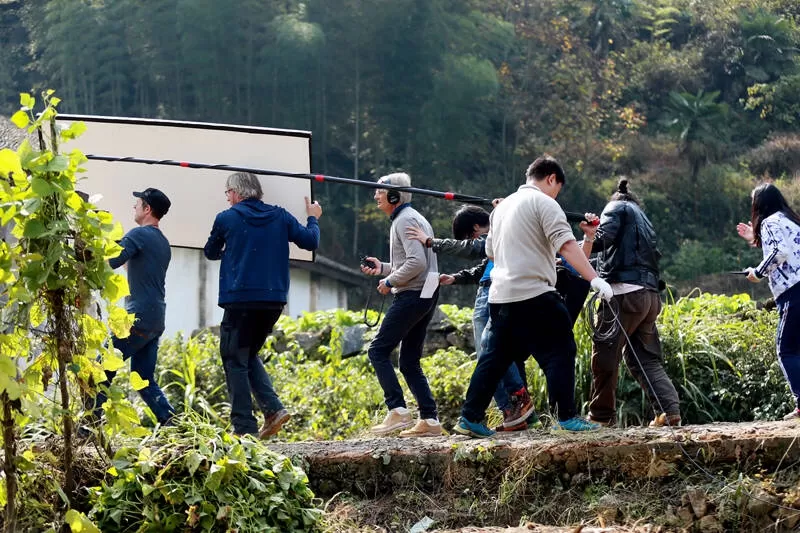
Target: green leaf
{"x":78,"y":522}
{"x":58,"y":164}
{"x":41,"y":187}
{"x":34,"y":228}
{"x":20,"y":119}
{"x":137,"y":382}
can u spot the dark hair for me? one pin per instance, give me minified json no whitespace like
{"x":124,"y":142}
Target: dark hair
{"x":623,"y":194}
{"x":465,"y":220}
{"x":543,"y":167}
{"x":768,"y":200}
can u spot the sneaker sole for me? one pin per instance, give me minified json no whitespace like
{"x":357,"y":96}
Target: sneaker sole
{"x":519,"y":427}
{"x":405,"y":434}
{"x":275,"y":427}
{"x":392,"y":429}
{"x":522,"y":418}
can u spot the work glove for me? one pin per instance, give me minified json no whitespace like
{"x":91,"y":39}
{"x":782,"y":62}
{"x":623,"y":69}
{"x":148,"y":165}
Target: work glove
{"x":602,"y":287}
{"x":752,"y":275}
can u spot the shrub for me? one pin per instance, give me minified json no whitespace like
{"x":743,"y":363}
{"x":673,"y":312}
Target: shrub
{"x":778,"y":157}
{"x":195,"y":476}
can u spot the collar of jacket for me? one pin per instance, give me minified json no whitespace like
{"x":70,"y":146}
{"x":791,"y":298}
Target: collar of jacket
{"x":397,"y":211}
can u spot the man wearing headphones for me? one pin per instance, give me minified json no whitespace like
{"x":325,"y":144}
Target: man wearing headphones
{"x":412,"y":276}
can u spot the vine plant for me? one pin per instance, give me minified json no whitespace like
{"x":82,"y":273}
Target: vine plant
{"x":53,"y":269}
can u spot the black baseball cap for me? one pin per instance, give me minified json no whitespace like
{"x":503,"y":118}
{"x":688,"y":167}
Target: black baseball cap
{"x":156,"y":199}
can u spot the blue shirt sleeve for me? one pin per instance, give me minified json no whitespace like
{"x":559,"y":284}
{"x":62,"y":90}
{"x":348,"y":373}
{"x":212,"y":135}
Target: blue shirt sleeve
{"x":130,"y":247}
{"x":216,"y":241}
{"x":306,"y":237}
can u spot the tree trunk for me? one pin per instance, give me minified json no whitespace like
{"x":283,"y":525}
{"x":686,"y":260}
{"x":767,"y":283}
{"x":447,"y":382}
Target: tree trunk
{"x":9,"y":468}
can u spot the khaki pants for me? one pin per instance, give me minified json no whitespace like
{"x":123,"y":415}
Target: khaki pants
{"x":638,"y":312}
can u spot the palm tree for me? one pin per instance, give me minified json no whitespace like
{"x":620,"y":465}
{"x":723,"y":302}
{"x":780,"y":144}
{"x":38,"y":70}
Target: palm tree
{"x":698,"y":122}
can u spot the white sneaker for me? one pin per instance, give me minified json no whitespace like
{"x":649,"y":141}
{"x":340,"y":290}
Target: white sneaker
{"x":429,"y":427}
{"x":397,"y":418}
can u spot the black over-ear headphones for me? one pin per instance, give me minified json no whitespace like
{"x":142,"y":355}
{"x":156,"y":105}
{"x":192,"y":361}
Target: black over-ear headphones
{"x":393,"y":196}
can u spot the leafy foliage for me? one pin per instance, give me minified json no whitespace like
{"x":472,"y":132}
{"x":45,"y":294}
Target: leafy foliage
{"x":195,"y":476}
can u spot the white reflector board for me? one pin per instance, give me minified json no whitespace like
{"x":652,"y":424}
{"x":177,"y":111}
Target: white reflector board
{"x":197,"y":195}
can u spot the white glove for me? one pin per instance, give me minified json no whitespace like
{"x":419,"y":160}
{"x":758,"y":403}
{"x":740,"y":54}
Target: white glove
{"x":751,"y":275}
{"x":602,"y":287}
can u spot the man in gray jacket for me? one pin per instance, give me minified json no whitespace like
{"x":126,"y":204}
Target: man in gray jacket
{"x":412,"y":276}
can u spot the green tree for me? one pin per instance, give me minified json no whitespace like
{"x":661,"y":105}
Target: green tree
{"x":698,"y":122}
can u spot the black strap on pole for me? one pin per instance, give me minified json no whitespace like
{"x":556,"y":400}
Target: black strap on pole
{"x":320,"y":178}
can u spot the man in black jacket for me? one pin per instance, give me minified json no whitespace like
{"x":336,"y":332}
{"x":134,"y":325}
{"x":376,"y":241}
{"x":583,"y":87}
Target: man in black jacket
{"x":628,"y":260}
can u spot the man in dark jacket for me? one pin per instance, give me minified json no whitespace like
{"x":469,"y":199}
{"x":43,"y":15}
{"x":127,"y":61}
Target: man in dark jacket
{"x":252,"y":240}
{"x":628,"y":260}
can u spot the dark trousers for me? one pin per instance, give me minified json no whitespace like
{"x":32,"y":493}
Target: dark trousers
{"x":141,"y":347}
{"x":242,"y":334}
{"x":405,"y":323}
{"x":638,"y":312}
{"x":788,"y":339}
{"x":539,"y":326}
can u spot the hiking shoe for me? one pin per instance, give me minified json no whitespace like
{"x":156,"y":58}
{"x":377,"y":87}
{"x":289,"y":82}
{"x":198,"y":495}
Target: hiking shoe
{"x":665,"y":420}
{"x":428,"y":427}
{"x":273,"y":423}
{"x":397,"y":418}
{"x":600,"y":423}
{"x":794,"y":415}
{"x":522,"y":426}
{"x":519,"y":411}
{"x":472,"y":429}
{"x":576,"y":423}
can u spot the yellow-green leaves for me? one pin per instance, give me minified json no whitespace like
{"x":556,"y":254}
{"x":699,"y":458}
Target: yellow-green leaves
{"x":137,"y":382}
{"x":116,"y":287}
{"x":20,"y":119}
{"x":10,"y":163}
{"x":119,"y":320}
{"x":26,"y":101}
{"x":112,"y":363}
{"x":78,"y":522}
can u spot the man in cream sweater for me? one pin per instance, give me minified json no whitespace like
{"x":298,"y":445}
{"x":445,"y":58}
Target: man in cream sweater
{"x":411,"y":275}
{"x":528,"y":316}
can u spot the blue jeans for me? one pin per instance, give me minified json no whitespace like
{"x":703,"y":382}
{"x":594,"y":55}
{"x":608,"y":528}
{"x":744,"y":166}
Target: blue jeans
{"x":540,"y":326}
{"x":512,"y":381}
{"x":141,"y":347}
{"x":788,"y":339}
{"x":405,"y":323}
{"x":242,"y":334}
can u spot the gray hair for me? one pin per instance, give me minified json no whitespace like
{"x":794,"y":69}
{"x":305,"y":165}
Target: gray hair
{"x":245,"y":184}
{"x":401,"y":179}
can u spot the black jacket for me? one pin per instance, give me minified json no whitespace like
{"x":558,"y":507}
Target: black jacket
{"x":626,"y":246}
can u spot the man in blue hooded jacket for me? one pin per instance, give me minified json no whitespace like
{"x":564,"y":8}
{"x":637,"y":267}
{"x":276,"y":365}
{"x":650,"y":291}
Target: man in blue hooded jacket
{"x":252,"y":240}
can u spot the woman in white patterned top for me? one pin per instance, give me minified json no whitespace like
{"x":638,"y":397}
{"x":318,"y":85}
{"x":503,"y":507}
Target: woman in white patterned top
{"x":775,"y":228}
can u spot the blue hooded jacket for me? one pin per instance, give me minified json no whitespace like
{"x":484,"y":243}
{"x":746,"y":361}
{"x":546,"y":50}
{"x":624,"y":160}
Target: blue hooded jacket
{"x":252,"y":239}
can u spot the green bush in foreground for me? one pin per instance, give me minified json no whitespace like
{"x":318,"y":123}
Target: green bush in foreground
{"x":195,"y":476}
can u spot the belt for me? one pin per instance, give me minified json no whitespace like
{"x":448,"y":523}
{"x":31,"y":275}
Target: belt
{"x":484,"y":283}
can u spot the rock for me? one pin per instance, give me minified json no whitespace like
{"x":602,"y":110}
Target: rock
{"x":788,"y":518}
{"x":454,"y":338}
{"x":761,"y":502}
{"x":309,"y":341}
{"x":709,"y":524}
{"x":698,"y":502}
{"x":607,"y":509}
{"x":435,"y":340}
{"x":685,"y":516}
{"x":353,"y":340}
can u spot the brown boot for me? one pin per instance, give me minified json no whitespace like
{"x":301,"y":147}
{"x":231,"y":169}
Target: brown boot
{"x":273,"y":423}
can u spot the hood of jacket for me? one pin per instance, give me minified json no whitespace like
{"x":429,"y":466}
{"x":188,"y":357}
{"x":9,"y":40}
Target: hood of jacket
{"x":256,"y":213}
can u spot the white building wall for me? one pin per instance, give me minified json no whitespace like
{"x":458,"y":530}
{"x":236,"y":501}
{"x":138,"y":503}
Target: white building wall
{"x":192,"y":288}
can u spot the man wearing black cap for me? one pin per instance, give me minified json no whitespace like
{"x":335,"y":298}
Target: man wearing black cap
{"x":146,"y":255}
